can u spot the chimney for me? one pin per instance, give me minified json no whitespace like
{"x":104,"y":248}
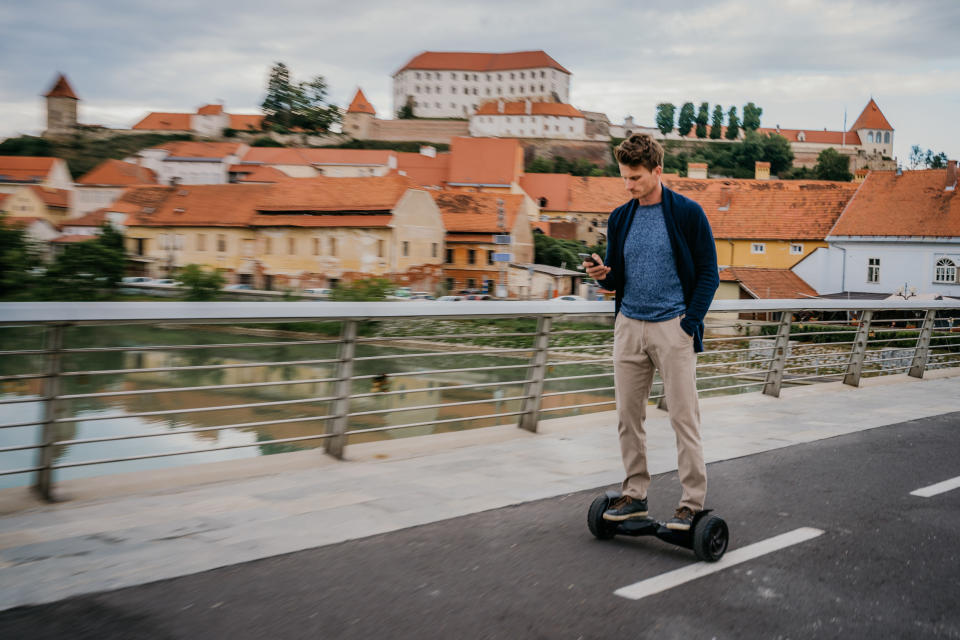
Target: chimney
{"x":697,"y":170}
{"x":761,"y":170}
{"x":951,"y":182}
{"x":428,"y":151}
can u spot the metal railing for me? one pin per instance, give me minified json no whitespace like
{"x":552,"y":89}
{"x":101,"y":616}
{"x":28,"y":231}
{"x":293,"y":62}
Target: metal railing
{"x":525,"y":358}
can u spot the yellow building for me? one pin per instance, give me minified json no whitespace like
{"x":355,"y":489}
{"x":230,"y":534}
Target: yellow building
{"x":36,"y":201}
{"x":295,"y":234}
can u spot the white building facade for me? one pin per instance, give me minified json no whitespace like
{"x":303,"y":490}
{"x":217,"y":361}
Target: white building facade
{"x":528,"y":119}
{"x":454,"y":84}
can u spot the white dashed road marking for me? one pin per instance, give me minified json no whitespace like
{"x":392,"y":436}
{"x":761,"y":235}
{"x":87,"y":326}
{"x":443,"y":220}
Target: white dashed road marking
{"x":675,"y":578}
{"x":940,"y":487}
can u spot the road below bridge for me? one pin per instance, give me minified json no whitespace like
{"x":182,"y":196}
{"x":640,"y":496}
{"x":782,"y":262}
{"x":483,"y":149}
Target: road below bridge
{"x":885,"y":567}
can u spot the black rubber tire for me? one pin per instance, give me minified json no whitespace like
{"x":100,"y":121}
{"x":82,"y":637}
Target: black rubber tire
{"x":710,"y":538}
{"x":600,"y":528}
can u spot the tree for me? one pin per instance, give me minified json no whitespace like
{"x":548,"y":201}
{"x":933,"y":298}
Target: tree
{"x":26,"y":146}
{"x":87,"y":270}
{"x":926,"y":159}
{"x":201,"y":284}
{"x":370,"y":289}
{"x":540,"y":165}
{"x":777,"y":151}
{"x":733,"y":124}
{"x":716,"y":128}
{"x":18,"y":259}
{"x":555,"y":252}
{"x":304,"y":105}
{"x":703,"y":116}
{"x":686,"y":119}
{"x":406,"y":111}
{"x":751,"y":116}
{"x":832,"y":166}
{"x":665,"y":114}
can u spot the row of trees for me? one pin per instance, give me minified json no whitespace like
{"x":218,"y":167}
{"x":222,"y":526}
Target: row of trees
{"x":737,"y":159}
{"x":690,"y":117}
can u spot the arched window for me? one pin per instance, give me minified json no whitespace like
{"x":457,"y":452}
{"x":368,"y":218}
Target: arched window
{"x":886,"y":138}
{"x":870,"y":136}
{"x":945,"y":271}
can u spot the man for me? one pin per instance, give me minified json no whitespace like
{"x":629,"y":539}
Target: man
{"x":662,"y":263}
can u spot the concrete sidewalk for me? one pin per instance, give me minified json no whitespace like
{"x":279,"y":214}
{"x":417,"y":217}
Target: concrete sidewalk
{"x":124,"y":530}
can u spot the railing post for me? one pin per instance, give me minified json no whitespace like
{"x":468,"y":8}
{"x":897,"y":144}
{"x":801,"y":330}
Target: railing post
{"x":344,"y":385}
{"x":774,"y":380}
{"x":538,"y":372}
{"x":922,"y":353}
{"x":859,"y":351}
{"x":51,"y":411}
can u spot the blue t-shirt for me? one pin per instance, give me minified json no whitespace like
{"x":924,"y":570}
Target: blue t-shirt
{"x":652,"y":290}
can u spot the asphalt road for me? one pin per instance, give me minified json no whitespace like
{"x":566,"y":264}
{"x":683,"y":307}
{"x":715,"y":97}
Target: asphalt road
{"x":886,"y":566}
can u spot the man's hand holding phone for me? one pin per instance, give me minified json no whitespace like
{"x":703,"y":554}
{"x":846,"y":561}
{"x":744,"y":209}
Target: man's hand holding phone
{"x":594,"y":266}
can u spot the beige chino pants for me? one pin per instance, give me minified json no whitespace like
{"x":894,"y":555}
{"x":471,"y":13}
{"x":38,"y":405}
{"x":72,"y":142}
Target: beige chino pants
{"x":639,"y":347}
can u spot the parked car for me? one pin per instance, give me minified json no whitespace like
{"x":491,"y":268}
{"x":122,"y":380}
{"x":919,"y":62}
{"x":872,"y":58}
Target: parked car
{"x":167,"y":282}
{"x":422,"y":296}
{"x":323,"y":293}
{"x":238,"y":287}
{"x":449,"y":298}
{"x":568,"y":299}
{"x":478,"y":296}
{"x":137,"y":280}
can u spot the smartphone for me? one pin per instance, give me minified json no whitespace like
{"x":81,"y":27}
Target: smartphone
{"x":586,"y":257}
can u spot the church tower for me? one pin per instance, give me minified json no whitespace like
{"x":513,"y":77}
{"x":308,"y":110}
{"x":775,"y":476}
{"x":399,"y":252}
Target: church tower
{"x":358,"y":121}
{"x":874,"y":131}
{"x":61,"y":108}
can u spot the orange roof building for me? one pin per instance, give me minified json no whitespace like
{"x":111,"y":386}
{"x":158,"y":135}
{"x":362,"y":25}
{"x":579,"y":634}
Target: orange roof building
{"x":114,"y":173}
{"x":209,"y":120}
{"x":528,"y":119}
{"x":21,"y":170}
{"x":478,"y":163}
{"x":897,"y":232}
{"x":360,"y":104}
{"x":191,"y":162}
{"x":453,"y":84}
{"x":767,"y":284}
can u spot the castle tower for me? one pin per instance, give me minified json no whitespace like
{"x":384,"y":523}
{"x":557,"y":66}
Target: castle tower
{"x":358,"y":121}
{"x":876,"y":134}
{"x":61,"y":108}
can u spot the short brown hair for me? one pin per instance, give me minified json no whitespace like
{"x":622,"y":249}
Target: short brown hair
{"x":640,"y":150}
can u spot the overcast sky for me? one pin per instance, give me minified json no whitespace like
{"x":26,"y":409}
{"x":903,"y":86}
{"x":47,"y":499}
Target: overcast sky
{"x":802,"y":61}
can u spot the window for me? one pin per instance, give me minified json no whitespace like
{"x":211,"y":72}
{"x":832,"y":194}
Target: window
{"x":316,"y":246}
{"x":453,"y":89}
{"x":521,"y":75}
{"x":406,"y":248}
{"x":471,"y":283}
{"x":434,"y":248}
{"x":449,"y":256}
{"x":333,"y":246}
{"x":489,"y":257}
{"x":472,"y":256}
{"x":758,"y":247}
{"x":886,"y":138}
{"x":873,"y":270}
{"x":945,"y":271}
{"x":453,"y":76}
{"x":201,"y":242}
{"x":543,"y":201}
{"x":796,"y":249}
{"x":221,"y":242}
{"x":291,"y":246}
{"x":380,"y":247}
{"x":418,"y":75}
{"x":870,"y":136}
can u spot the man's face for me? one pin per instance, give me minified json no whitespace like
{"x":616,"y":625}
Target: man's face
{"x":642,"y":183}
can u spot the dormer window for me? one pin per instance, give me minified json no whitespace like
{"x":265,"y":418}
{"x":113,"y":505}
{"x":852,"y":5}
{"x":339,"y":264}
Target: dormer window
{"x":801,"y":136}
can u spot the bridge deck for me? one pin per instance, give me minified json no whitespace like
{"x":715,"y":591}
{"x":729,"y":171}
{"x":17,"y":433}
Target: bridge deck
{"x":130,"y":529}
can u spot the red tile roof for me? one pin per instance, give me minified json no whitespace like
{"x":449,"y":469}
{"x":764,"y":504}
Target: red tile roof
{"x":73,"y":238}
{"x":476,"y":212}
{"x":326,"y":220}
{"x":59,"y":198}
{"x":93,"y":219}
{"x":769,"y":284}
{"x":466,"y":61}
{"x":485,"y":161}
{"x":335,"y":194}
{"x":871,"y":118}
{"x":308,"y":157}
{"x":25,"y":168}
{"x":246,"y":122}
{"x":816,"y":136}
{"x":191,"y":149}
{"x":555,"y":187}
{"x":424,"y":170}
{"x":118,"y":173}
{"x":3,"y":196}
{"x":913,"y":204}
{"x":597,"y":194}
{"x":519,"y":108}
{"x":210,"y":110}
{"x":165,"y":122}
{"x":767,"y":209}
{"x":360,"y":104}
{"x":260,"y":173}
{"x":61,"y":89}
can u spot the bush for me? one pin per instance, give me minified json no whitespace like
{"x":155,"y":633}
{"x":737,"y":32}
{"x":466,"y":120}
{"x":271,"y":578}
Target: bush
{"x":265,"y":141}
{"x":201,"y":285}
{"x":368,"y":290}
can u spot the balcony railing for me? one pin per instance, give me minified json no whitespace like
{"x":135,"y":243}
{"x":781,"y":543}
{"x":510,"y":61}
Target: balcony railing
{"x":554,"y":358}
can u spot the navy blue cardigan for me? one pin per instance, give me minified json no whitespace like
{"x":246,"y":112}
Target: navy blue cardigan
{"x":693,"y":251}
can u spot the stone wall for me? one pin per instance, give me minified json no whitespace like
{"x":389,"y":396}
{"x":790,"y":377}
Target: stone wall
{"x":416,"y":130}
{"x":597,"y":152}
